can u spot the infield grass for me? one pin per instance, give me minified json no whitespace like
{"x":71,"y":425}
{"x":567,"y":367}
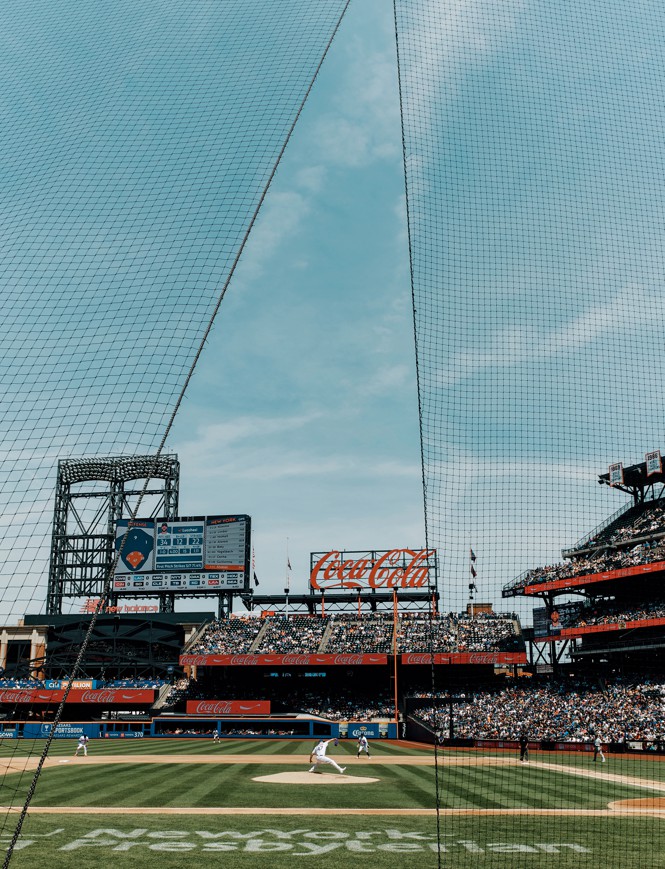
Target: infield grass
{"x":283,"y":828}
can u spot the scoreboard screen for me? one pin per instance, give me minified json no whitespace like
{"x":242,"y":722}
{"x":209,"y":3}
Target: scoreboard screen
{"x":191,"y":554}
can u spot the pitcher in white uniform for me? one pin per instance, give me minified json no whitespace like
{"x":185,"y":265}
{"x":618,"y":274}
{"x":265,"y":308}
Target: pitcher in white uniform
{"x":318,"y":757}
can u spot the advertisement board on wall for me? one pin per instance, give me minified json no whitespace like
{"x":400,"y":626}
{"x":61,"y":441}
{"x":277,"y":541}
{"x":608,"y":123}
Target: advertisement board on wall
{"x":192,"y":554}
{"x":111,"y":696}
{"x":291,"y":660}
{"x":228,"y":707}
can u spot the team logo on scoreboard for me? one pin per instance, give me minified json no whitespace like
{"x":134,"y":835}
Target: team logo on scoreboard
{"x":137,"y":549}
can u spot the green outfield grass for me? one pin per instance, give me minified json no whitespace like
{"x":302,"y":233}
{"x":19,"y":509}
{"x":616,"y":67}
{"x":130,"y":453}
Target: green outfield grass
{"x":287,"y":836}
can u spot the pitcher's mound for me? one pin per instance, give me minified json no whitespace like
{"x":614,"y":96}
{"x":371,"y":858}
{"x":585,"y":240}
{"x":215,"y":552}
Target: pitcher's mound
{"x":315,"y":778}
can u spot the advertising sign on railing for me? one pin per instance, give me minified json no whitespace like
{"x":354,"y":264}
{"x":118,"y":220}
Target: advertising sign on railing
{"x":228,"y":707}
{"x":111,"y":696}
{"x":465,"y":658}
{"x":292,"y":660}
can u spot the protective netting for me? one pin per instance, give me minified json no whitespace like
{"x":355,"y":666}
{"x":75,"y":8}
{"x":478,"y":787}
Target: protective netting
{"x":533,"y":161}
{"x":532,"y":147}
{"x":136,"y":143}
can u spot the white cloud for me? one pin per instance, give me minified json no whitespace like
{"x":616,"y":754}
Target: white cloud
{"x":459,"y":35}
{"x":280,"y":218}
{"x":632,"y":308}
{"x":365,"y":125}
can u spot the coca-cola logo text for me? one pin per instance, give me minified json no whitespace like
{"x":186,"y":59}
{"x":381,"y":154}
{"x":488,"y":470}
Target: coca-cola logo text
{"x":228,"y":707}
{"x":204,"y":708}
{"x":397,"y":568}
{"x":98,"y":696}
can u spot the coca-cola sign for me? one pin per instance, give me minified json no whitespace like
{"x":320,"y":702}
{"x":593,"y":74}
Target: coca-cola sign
{"x":112,"y":696}
{"x":393,"y":569}
{"x":228,"y":707}
{"x":30,"y":696}
{"x":281,"y":660}
{"x":127,"y":696}
{"x":465,"y":658}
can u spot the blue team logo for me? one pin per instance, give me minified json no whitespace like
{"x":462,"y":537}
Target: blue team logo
{"x":137,"y":549}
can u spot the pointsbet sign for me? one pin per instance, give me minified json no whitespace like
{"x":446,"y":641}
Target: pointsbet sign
{"x":388,"y":570}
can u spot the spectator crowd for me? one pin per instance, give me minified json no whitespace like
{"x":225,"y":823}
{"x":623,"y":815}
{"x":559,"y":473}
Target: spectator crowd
{"x":638,"y":537}
{"x":579,"y":616}
{"x":483,"y":632}
{"x":561,"y":710}
{"x":370,"y":633}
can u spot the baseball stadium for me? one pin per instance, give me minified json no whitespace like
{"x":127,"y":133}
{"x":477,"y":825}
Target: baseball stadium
{"x":332,"y":507}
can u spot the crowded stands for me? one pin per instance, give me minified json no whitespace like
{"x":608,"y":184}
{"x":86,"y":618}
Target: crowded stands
{"x":298,"y":633}
{"x":575,"y":710}
{"x":418,"y":632}
{"x":227,"y":637}
{"x":637,"y":537}
{"x":369,"y":633}
{"x":610,"y":613}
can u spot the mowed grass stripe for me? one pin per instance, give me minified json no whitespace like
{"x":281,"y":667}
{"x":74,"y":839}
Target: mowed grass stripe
{"x":595,"y":782}
{"x":401,"y":786}
{"x":469,"y":787}
{"x":526,"y":787}
{"x":560,"y":791}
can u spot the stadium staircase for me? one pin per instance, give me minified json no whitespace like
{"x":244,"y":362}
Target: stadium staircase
{"x":323,"y":646}
{"x":195,"y":637}
{"x":259,"y":637}
{"x":160,"y":700}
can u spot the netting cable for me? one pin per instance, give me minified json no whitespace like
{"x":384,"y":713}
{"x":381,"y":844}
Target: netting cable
{"x":109,"y":579}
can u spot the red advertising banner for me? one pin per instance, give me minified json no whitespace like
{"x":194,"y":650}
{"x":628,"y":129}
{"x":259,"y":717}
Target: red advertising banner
{"x":281,"y":660}
{"x":228,"y":707}
{"x":30,"y":695}
{"x":112,"y":695}
{"x":79,"y":695}
{"x":466,"y":658}
{"x":591,"y":578}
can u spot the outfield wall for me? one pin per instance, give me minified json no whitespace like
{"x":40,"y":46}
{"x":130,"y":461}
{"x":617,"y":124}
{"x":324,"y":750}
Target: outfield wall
{"x":188,"y":727}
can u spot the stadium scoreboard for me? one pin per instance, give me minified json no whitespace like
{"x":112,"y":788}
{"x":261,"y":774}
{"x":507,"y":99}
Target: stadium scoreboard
{"x":191,"y":554}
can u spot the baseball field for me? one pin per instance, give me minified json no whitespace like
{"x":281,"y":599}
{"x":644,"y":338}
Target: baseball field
{"x":250,"y":803}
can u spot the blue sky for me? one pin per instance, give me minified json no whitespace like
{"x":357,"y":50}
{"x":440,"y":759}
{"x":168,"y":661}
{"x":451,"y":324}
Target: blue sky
{"x":303,"y":411}
{"x":537,"y":251}
{"x":534,"y":141}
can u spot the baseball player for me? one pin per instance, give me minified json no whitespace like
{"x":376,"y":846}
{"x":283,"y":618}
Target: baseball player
{"x":318,"y":756}
{"x":363,"y":745}
{"x":598,"y":750}
{"x":83,"y":744}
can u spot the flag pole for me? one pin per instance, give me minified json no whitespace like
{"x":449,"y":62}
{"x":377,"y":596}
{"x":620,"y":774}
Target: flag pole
{"x":287,"y":581}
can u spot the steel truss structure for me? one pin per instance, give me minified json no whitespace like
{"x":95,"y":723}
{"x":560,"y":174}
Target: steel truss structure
{"x":91,"y":496}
